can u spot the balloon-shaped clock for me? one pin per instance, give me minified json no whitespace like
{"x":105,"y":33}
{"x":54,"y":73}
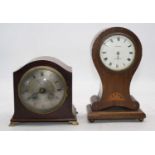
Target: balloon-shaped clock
{"x":116,"y":55}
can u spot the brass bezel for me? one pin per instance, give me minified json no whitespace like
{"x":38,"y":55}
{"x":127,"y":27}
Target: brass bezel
{"x":49,"y":69}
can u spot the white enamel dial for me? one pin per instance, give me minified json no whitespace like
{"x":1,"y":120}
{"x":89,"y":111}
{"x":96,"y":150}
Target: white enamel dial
{"x":117,"y":52}
{"x":42,"y":89}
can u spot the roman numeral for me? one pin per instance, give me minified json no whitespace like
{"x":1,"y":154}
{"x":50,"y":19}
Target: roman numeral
{"x":130,"y":52}
{"x":117,"y":65}
{"x":105,"y":44}
{"x":104,"y":52}
{"x":128,"y":59}
{"x":59,"y":89}
{"x":118,"y":38}
{"x":110,"y":64}
{"x":129,"y":45}
{"x":105,"y":59}
{"x":111,"y":40}
{"x":42,"y":74}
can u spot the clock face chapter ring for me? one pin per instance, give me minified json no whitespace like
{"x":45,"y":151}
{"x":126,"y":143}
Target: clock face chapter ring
{"x":42,"y":89}
{"x":117,"y":50}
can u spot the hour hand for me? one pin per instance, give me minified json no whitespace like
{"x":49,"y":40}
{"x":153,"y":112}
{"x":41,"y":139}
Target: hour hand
{"x":50,"y":95}
{"x":118,"y":55}
{"x":33,"y":96}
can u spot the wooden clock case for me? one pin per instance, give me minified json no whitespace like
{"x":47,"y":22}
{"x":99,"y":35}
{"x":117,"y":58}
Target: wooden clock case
{"x":65,"y":113}
{"x":115,"y":101}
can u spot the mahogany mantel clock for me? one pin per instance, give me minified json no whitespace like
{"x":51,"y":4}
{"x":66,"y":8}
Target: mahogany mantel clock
{"x":43,"y":92}
{"x":116,"y":55}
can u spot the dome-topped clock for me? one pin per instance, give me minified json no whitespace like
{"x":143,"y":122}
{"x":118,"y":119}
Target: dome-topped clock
{"x":116,"y":55}
{"x":43,"y":92}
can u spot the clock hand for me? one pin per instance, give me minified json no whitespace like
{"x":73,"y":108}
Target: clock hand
{"x":105,"y":44}
{"x":51,"y":94}
{"x":118,"y":54}
{"x":33,"y":96}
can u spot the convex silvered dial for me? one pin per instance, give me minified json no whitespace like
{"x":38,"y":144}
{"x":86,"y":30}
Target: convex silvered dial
{"x":42,"y":89}
{"x":117,"y":52}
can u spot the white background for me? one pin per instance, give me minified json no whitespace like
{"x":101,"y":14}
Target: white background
{"x":81,"y":11}
{"x":72,"y":44}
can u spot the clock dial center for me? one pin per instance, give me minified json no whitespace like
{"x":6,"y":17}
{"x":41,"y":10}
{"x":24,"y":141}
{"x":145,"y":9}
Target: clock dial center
{"x":42,"y":90}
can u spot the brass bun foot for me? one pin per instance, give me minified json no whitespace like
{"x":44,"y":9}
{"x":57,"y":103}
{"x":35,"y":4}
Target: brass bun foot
{"x":12,"y":124}
{"x":141,"y":119}
{"x":91,"y":120}
{"x":74,"y":122}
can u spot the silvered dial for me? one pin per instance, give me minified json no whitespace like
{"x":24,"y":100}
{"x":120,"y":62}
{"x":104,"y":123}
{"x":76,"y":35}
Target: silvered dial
{"x":42,"y":89}
{"x":117,"y":52}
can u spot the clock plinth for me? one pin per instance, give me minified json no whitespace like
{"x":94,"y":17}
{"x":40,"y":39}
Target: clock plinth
{"x":72,"y":119}
{"x":113,"y":113}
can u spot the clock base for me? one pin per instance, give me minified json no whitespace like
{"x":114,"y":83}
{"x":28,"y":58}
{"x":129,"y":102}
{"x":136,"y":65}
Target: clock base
{"x":16,"y":122}
{"x":72,"y":120}
{"x":114,"y":114}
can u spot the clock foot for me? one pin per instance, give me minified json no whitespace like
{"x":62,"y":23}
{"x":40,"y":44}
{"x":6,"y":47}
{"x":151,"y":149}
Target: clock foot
{"x":12,"y":124}
{"x":74,"y":122}
{"x":91,"y":120}
{"x":141,"y":119}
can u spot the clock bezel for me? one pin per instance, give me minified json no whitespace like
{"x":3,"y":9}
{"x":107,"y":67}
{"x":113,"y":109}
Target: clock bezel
{"x":115,"y":34}
{"x":49,"y":69}
{"x":116,"y":31}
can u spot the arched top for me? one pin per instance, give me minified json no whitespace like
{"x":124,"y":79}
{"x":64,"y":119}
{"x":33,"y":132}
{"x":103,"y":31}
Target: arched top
{"x":55,"y":60}
{"x":46,"y":60}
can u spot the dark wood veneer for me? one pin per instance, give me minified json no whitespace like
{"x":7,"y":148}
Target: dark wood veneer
{"x":66,"y":112}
